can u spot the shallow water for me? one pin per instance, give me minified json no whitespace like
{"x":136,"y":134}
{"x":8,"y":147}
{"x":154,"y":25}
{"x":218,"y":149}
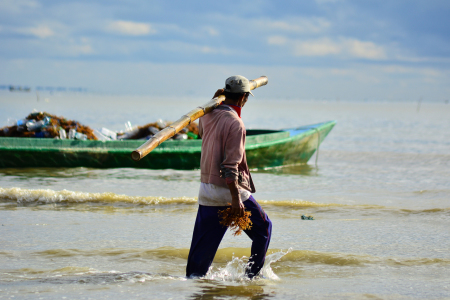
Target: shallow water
{"x":379,"y":197}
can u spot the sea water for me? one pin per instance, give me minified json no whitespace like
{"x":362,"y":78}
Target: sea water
{"x":379,"y":196}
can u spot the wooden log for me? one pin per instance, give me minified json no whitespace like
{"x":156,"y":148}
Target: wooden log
{"x":185,"y":120}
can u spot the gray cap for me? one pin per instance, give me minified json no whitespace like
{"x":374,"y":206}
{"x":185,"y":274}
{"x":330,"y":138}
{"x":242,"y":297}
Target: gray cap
{"x":237,"y":84}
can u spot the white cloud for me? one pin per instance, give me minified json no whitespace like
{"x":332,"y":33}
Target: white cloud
{"x":298,"y":25}
{"x":131,"y":28}
{"x":212,"y":31}
{"x":320,"y":47}
{"x":344,"y":47}
{"x":17,"y":6}
{"x":426,"y":72}
{"x":277,"y":40}
{"x":342,"y":72}
{"x":210,"y":50}
{"x":415,"y":59}
{"x":365,"y":49}
{"x":194,"y":48}
{"x":207,"y":50}
{"x":41,"y":31}
{"x":82,"y":49}
{"x":72,"y":49}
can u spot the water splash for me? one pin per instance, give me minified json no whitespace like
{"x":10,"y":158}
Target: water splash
{"x":274,"y":257}
{"x":234,"y":271}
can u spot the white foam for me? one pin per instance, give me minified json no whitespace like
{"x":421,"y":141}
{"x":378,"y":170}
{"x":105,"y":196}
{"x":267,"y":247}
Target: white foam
{"x":234,"y":271}
{"x":47,"y":196}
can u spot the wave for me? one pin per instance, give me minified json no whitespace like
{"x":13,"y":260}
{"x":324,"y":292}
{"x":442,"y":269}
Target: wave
{"x":441,"y":191}
{"x":232,"y":271}
{"x":225,"y":255}
{"x":47,"y":196}
{"x":85,"y":275}
{"x":20,"y":196}
{"x":345,"y":259}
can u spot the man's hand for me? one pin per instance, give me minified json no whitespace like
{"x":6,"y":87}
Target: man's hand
{"x":218,"y":93}
{"x":237,"y":207}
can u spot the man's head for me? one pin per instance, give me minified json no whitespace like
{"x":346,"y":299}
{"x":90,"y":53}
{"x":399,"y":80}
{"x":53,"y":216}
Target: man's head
{"x":237,"y":84}
{"x":237,"y":89}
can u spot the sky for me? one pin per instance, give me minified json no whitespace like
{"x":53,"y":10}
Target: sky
{"x":309,"y":49}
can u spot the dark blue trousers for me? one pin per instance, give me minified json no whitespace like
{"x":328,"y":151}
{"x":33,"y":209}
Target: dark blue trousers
{"x":208,"y":234}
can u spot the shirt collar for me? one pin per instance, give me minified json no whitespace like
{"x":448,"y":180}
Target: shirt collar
{"x":235,"y":107}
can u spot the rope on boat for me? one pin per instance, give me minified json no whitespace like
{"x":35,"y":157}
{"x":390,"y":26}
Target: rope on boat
{"x":318,"y":144}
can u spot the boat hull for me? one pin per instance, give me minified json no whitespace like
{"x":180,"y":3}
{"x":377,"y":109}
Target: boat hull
{"x":270,"y":149}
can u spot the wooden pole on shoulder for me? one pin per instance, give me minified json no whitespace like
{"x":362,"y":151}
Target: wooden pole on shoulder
{"x":185,"y":120}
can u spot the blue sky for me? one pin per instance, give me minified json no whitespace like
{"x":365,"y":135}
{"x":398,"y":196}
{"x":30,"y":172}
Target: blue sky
{"x":309,"y":49}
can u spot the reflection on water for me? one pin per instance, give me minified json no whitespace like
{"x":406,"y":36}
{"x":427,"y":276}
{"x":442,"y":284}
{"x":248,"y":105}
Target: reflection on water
{"x":297,"y":169}
{"x":213,"y":290}
{"x":113,"y":277}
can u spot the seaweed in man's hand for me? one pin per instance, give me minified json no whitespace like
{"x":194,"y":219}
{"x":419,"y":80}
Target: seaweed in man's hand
{"x":235,"y":222}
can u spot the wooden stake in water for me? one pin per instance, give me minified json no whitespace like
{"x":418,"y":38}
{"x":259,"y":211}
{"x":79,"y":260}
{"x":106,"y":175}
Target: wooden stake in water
{"x":418,"y":104}
{"x":185,"y":120}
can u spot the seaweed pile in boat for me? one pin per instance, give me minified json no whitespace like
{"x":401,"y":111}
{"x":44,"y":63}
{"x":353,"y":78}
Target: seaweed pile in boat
{"x":150,"y":129}
{"x":45,"y":125}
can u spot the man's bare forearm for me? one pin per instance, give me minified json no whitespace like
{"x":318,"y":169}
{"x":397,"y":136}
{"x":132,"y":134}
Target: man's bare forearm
{"x":237,"y":207}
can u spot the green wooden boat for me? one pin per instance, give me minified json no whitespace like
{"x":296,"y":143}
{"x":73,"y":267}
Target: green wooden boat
{"x":264,"y":148}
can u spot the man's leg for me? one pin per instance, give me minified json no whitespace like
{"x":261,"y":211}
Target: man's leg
{"x":260,"y":234}
{"x":208,"y":234}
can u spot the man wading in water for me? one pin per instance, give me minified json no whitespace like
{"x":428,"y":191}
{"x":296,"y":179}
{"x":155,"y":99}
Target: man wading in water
{"x":225,"y":178}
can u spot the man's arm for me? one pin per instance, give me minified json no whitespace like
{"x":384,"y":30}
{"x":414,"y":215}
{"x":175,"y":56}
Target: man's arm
{"x":234,"y":151}
{"x":237,"y":207}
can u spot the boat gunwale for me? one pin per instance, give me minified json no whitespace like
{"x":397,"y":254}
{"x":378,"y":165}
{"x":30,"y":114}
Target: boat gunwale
{"x":309,"y":130}
{"x":169,"y":147}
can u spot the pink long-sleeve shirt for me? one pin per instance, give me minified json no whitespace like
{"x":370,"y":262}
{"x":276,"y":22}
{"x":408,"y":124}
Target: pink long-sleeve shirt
{"x":223,"y":147}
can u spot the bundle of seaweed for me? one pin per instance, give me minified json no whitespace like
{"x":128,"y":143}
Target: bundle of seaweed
{"x":148,"y":130}
{"x":45,"y":125}
{"x":235,"y":222}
